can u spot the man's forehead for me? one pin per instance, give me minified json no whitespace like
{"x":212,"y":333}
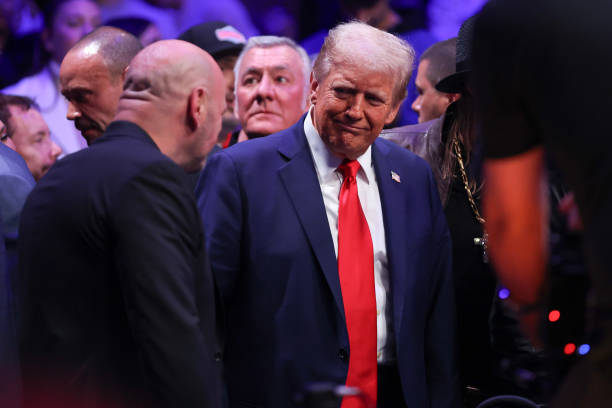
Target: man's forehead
{"x":85,"y":69}
{"x":28,"y":119}
{"x":276,"y":57}
{"x":361,"y":79}
{"x":421,"y":78}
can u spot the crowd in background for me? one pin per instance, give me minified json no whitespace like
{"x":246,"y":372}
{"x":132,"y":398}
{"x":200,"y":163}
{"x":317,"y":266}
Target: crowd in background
{"x":71,"y":82}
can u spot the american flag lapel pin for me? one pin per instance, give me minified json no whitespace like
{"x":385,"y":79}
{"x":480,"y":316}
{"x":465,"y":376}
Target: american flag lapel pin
{"x":395,"y":177}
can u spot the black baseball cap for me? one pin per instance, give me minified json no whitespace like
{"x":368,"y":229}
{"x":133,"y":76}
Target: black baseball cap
{"x":216,"y":38}
{"x":456,"y":82}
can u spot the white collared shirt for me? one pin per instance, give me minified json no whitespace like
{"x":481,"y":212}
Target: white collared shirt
{"x":330,"y":181}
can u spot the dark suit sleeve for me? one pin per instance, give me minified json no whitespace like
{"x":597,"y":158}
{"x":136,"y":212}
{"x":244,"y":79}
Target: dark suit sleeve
{"x":440,"y":340}
{"x":220,"y":205}
{"x":160,"y":258}
{"x":13,"y":193}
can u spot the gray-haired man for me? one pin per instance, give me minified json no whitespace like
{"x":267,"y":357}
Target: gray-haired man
{"x":272,"y":76}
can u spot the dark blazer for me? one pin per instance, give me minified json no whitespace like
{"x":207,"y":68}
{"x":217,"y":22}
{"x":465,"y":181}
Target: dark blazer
{"x":273,"y":257}
{"x":117,"y":299}
{"x":16,"y":182}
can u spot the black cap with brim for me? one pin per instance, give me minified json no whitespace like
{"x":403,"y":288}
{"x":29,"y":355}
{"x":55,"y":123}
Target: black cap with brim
{"x":454,"y":83}
{"x":216,"y":38}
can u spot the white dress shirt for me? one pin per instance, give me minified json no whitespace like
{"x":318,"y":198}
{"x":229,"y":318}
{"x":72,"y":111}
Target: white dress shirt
{"x":330,"y":180}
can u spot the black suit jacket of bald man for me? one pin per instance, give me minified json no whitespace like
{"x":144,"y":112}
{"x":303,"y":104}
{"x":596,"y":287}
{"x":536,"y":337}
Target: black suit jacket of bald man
{"x":117,"y":300}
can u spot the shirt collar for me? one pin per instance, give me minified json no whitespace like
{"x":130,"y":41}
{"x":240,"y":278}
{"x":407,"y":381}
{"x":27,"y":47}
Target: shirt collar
{"x":325,"y":161}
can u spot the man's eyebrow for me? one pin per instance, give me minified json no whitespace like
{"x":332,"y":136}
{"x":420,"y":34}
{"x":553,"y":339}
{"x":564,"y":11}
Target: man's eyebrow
{"x":252,"y":70}
{"x":78,"y":89}
{"x":257,"y":70}
{"x":280,"y":68}
{"x":375,"y":94}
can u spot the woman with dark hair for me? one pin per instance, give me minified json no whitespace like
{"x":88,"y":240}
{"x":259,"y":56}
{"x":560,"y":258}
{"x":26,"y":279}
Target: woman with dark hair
{"x":459,"y":185}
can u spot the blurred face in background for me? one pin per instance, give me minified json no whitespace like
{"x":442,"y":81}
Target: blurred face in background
{"x":31,"y":139}
{"x":73,"y":19}
{"x":430,"y":103}
{"x":226,"y":64}
{"x":230,"y":121}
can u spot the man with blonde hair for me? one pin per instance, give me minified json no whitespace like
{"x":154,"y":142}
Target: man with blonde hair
{"x":330,"y":247}
{"x":117,"y":301}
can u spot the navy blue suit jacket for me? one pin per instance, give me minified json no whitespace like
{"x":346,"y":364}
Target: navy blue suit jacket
{"x":273,"y":257}
{"x":16,"y":182}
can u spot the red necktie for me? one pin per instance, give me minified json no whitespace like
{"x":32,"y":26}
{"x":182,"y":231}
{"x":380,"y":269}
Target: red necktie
{"x":356,"y":270}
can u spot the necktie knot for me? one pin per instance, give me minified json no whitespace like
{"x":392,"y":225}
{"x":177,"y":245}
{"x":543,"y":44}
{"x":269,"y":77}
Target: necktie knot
{"x":349,"y":168}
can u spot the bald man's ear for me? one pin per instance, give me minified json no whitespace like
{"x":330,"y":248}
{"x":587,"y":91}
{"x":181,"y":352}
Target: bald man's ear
{"x":196,"y":108}
{"x":124,"y":74}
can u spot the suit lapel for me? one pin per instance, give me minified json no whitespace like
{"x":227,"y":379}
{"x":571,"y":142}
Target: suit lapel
{"x":394,"y":218}
{"x":300,"y":180}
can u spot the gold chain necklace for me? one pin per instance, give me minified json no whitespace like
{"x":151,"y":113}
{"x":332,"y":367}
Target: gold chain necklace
{"x":464,"y":178}
{"x":481,"y":241}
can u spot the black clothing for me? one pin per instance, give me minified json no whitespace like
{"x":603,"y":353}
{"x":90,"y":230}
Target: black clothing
{"x":474,"y":292}
{"x":541,"y":77}
{"x":117,"y":300}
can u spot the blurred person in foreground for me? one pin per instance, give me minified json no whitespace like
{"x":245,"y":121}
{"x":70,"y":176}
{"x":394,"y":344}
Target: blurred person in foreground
{"x":531,"y":98}
{"x":117,"y":304}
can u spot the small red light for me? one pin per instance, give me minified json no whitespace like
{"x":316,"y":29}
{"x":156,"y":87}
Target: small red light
{"x":554,"y":315}
{"x":569,"y":348}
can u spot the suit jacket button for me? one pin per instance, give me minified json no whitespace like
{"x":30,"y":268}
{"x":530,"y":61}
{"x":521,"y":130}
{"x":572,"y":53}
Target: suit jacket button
{"x":218,"y":356}
{"x":342,"y":355}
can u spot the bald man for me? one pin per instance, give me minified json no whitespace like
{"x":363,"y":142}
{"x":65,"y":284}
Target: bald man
{"x":118,"y":303}
{"x":91,"y":78}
